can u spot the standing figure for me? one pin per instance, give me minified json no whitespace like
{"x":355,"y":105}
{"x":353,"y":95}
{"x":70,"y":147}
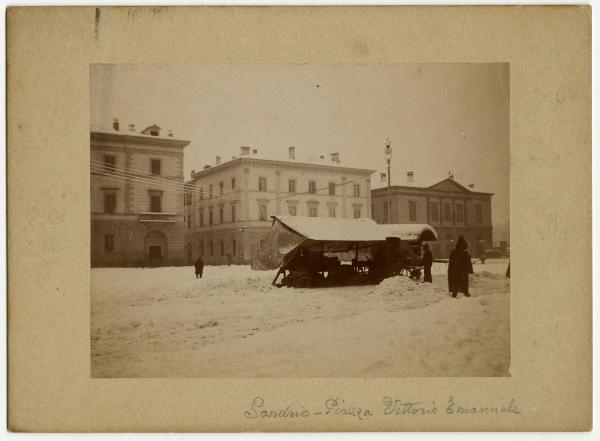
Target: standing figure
{"x":199,"y":264}
{"x":427,"y":262}
{"x":459,"y":268}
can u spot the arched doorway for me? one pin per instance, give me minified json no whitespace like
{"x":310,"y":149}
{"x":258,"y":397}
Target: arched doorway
{"x":155,"y":246}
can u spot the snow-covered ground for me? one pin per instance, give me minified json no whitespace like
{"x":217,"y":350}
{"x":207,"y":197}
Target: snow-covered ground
{"x":163,"y":322}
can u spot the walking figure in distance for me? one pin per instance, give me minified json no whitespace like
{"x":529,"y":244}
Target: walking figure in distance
{"x":427,"y":262}
{"x":459,"y":268}
{"x":199,"y":264}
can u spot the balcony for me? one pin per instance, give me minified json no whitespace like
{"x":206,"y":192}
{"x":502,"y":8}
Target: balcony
{"x":151,"y":217}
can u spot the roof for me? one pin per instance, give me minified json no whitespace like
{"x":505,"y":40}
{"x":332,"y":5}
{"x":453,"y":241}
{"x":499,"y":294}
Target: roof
{"x":333,"y":229}
{"x":109,"y":130}
{"x":354,"y":230}
{"x":281,"y":162}
{"x":443,"y":184}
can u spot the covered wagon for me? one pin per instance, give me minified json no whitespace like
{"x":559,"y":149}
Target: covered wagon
{"x":314,"y":251}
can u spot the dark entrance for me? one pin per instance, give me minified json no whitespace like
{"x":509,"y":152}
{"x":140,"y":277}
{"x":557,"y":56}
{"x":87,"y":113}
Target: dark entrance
{"x":155,"y":254}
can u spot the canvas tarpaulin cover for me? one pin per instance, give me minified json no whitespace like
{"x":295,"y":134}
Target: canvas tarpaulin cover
{"x":290,"y":233}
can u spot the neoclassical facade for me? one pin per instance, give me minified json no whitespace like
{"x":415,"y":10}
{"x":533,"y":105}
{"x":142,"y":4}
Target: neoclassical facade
{"x":136,"y":197}
{"x":451,"y":208}
{"x":228,"y":206}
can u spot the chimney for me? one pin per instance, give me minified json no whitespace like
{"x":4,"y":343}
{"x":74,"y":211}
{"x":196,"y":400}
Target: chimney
{"x":170,"y":133}
{"x":254,"y":151}
{"x":192,"y":173}
{"x":217,"y":160}
{"x":335,"y":157}
{"x":410,"y":176}
{"x":207,"y":166}
{"x":116,"y":124}
{"x":322,"y":157}
{"x":383,"y":177}
{"x":471,"y":185}
{"x":131,"y":127}
{"x":244,"y":151}
{"x":233,"y":157}
{"x":292,"y":152}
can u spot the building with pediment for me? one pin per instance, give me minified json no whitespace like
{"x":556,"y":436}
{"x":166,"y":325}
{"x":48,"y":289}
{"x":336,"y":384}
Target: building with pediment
{"x":137,"y":184}
{"x":451,"y":208}
{"x":228,"y":205}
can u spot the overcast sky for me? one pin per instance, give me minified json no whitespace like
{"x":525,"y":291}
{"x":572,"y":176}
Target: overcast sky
{"x":440,"y":117}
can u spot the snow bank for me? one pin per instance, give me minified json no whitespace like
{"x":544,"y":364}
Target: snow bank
{"x":163,"y":322}
{"x":407,"y":293}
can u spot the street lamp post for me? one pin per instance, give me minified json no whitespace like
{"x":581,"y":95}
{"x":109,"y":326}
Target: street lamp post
{"x":388,"y":158}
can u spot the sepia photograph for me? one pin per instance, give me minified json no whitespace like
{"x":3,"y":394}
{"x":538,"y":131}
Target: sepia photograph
{"x":300,"y":221}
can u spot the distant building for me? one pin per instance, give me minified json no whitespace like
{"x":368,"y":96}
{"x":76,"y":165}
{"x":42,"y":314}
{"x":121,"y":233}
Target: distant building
{"x":451,"y":208}
{"x":136,"y":197}
{"x":228,"y":206}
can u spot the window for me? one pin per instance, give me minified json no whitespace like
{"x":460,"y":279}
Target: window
{"x":356,"y":188}
{"x":201,"y":248}
{"x":332,"y":188}
{"x":292,"y":211}
{"x":201,"y":216}
{"x":262,"y":212}
{"x":109,"y":163}
{"x":385,"y":212}
{"x":221,"y":215}
{"x":331,"y":212}
{"x":447,"y":212}
{"x":312,"y":187}
{"x":435,"y":212}
{"x":233,"y":183}
{"x":154,"y":132}
{"x":292,"y":186}
{"x":460,"y":213}
{"x":155,"y":203}
{"x":187,"y":199}
{"x":478,"y":214}
{"x":233,"y":248}
{"x":233,"y":213}
{"x":189,"y":222}
{"x":312,"y":211}
{"x":110,"y":202}
{"x":412,"y":210}
{"x":262,"y":184}
{"x":155,"y":166}
{"x":109,"y":242}
{"x":210,"y":191}
{"x":201,"y":194}
{"x":210,"y":218}
{"x":357,"y":213}
{"x":222,"y":248}
{"x":212,"y":248}
{"x":221,"y":187}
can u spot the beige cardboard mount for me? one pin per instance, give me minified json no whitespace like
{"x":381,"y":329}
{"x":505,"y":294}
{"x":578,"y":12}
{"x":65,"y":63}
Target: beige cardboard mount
{"x":49,"y":52}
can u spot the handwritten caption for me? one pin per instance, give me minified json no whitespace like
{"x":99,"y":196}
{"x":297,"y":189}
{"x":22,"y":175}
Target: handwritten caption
{"x":389,"y":407}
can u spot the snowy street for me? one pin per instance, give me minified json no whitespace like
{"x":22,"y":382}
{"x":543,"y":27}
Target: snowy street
{"x":163,"y":322}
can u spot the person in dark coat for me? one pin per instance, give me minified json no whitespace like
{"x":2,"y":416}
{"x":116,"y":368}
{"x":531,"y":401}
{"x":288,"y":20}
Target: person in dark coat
{"x":459,"y":268}
{"x":199,"y":264}
{"x":427,"y":262}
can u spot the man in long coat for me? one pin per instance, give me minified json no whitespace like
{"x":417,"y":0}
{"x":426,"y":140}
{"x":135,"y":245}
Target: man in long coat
{"x":199,"y":266}
{"x":427,"y":262}
{"x":459,"y":268}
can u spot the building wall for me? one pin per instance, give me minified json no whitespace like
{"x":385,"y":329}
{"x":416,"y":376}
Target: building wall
{"x":247,"y":229}
{"x":130,"y":247}
{"x":477,"y":234}
{"x":131,"y":181}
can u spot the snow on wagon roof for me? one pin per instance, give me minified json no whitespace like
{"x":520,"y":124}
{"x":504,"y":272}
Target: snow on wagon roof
{"x":354,"y":230}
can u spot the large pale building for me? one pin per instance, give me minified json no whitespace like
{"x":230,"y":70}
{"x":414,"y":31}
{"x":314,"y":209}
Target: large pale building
{"x":451,"y":208}
{"x":136,"y":197}
{"x":228,"y":206}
